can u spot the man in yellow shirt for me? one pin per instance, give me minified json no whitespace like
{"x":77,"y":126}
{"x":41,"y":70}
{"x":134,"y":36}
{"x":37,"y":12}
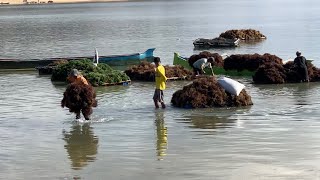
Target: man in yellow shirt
{"x":160,"y":76}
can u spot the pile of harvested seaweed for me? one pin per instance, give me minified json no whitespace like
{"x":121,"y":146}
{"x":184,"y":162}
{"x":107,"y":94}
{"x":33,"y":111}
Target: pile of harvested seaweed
{"x":79,"y":98}
{"x":96,"y":75}
{"x":273,"y":73}
{"x":145,"y":72}
{"x":206,"y":54}
{"x":58,"y":62}
{"x":206,"y":92}
{"x":244,"y":34}
{"x":249,"y":62}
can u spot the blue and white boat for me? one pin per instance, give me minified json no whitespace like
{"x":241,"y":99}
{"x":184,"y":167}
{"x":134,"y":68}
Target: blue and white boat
{"x":112,"y":60}
{"x":128,"y":59}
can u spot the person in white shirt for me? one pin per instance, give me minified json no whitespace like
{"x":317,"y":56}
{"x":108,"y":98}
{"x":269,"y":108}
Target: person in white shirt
{"x":200,"y":64}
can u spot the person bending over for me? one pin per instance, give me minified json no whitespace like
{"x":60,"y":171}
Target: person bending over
{"x":200,"y":64}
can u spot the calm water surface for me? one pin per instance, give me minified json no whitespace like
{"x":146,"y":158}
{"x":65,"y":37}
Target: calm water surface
{"x":276,"y":138}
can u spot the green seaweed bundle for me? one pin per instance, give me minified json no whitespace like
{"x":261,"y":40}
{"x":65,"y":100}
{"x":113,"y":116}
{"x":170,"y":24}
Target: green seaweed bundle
{"x":99,"y":75}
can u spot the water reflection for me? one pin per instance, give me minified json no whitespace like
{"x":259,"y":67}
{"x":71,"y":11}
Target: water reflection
{"x":162,"y":133}
{"x":301,"y":93}
{"x":81,"y":145}
{"x":208,"y":121}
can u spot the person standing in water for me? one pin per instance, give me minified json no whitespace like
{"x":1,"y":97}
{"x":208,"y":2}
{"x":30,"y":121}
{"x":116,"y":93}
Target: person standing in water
{"x":300,"y":63}
{"x":160,"y":76}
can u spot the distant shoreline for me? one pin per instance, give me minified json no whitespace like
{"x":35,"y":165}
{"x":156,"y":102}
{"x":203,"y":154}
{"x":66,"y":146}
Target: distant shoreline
{"x":41,"y":2}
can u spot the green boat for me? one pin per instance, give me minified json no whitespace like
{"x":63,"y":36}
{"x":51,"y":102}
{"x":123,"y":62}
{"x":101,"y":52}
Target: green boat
{"x":179,"y":60}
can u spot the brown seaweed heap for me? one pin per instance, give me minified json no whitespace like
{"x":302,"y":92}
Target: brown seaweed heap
{"x":206,"y":92}
{"x":79,"y":98}
{"x":145,"y":72}
{"x":249,"y":62}
{"x":272,"y":73}
{"x":206,"y":54}
{"x":243,"y":34}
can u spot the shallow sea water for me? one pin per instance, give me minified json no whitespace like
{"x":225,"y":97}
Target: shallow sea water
{"x":276,"y":138}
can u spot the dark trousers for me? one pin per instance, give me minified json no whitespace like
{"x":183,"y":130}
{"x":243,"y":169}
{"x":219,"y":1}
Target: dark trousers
{"x":197,"y":71}
{"x":303,"y":73}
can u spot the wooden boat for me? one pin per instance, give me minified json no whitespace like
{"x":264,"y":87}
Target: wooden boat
{"x":216,"y":42}
{"x":112,"y":60}
{"x":179,"y":60}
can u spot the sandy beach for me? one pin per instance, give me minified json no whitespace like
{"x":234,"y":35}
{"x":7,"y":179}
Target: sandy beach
{"x":57,"y":1}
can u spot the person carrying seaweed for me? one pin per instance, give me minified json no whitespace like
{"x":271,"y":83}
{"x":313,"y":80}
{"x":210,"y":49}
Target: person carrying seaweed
{"x":200,"y":64}
{"x":160,"y":77}
{"x":79,"y":95}
{"x":76,"y":77}
{"x":300,"y":64}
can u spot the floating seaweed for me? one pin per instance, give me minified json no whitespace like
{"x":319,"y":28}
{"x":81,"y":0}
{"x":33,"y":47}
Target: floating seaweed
{"x":145,"y":72}
{"x":97,"y":75}
{"x":272,"y":73}
{"x":249,"y":62}
{"x":243,"y":34}
{"x":79,"y":98}
{"x":206,"y":92}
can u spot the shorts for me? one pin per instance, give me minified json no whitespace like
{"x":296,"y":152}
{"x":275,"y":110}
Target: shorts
{"x":197,"y":71}
{"x":158,"y":95}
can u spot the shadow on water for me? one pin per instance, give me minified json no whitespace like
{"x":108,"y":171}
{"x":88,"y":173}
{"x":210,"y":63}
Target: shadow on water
{"x":162,"y":134}
{"x":81,"y":145}
{"x":293,"y":90}
{"x":208,"y":120}
{"x":203,"y":121}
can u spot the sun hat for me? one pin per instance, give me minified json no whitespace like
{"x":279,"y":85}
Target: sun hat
{"x":74,"y":72}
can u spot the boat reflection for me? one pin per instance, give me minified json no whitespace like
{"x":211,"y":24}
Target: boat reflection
{"x":162,"y":134}
{"x":81,"y":145}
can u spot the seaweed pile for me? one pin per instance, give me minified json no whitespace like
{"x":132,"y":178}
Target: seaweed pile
{"x":243,"y":34}
{"x":177,"y":71}
{"x":272,"y":73}
{"x":206,"y":54}
{"x":58,"y":62}
{"x":249,"y":62}
{"x":79,"y":98}
{"x":96,"y":75}
{"x":142,"y":72}
{"x":145,"y":72}
{"x":49,"y":68}
{"x":206,"y":92}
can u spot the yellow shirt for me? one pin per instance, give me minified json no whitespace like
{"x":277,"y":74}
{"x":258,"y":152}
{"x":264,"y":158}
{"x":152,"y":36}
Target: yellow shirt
{"x":160,"y":78}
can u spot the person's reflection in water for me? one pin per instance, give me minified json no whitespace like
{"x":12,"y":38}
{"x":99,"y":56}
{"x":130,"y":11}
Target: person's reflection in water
{"x":162,"y":141}
{"x":301,"y":93}
{"x":81,"y":145}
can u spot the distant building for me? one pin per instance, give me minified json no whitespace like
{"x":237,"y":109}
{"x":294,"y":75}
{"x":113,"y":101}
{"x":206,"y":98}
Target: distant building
{"x":50,"y":1}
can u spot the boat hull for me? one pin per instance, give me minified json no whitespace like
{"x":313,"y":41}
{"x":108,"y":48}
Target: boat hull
{"x":217,"y":42}
{"x":179,"y":60}
{"x":129,"y":59}
{"x":113,"y":60}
